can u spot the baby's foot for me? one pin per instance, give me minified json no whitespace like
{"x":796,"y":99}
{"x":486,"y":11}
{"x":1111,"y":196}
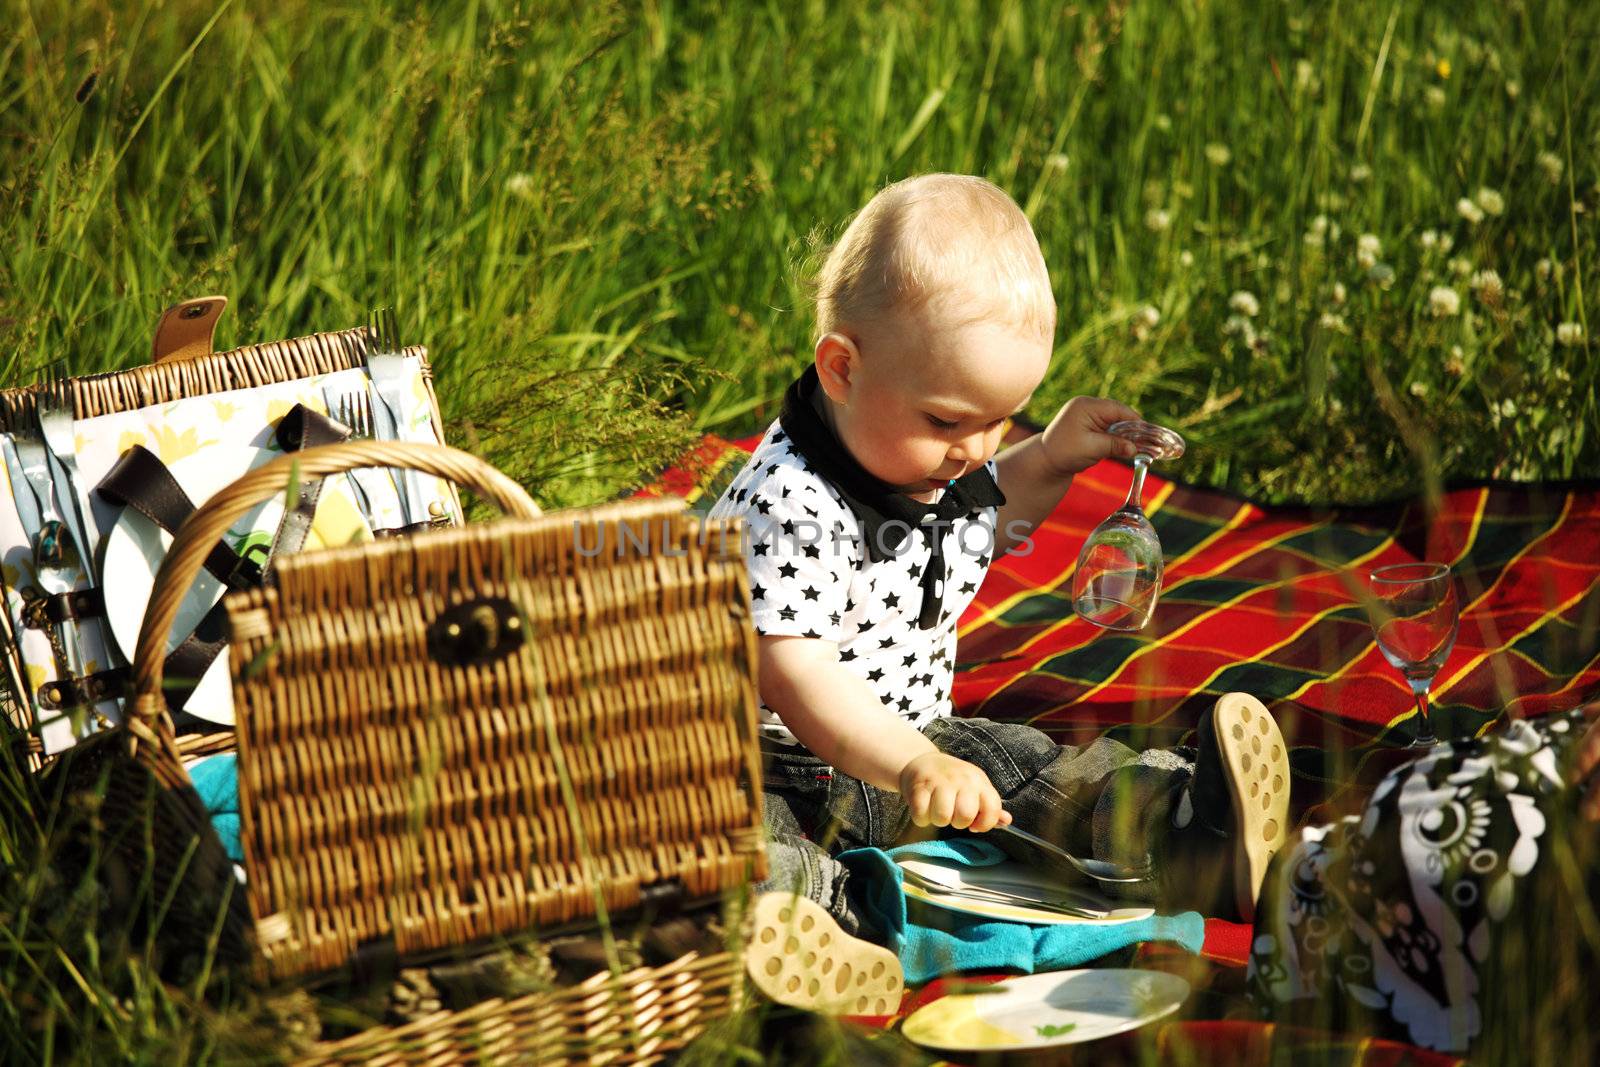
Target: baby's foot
{"x":1241,"y":789}
{"x":799,"y":956}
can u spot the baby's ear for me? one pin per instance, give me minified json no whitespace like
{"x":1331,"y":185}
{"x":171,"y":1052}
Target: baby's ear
{"x":836,"y":358}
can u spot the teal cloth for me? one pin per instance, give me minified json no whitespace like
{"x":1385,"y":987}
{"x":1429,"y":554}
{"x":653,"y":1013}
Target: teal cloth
{"x":216,"y":779}
{"x":933,"y":942}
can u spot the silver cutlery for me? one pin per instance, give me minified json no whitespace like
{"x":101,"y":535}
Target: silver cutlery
{"x":390,"y":380}
{"x":354,"y":410}
{"x":56,"y":415}
{"x":56,"y":566}
{"x":985,"y":894}
{"x":1099,"y":870}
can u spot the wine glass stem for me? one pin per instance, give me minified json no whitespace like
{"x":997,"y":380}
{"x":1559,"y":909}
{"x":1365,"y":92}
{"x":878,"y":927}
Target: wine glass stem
{"x":1425,"y":734}
{"x":1141,"y":463}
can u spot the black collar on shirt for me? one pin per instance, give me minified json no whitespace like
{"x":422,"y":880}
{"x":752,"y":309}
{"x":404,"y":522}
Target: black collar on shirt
{"x":887,"y":517}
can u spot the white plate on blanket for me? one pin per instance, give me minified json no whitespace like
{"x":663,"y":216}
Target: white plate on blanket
{"x":1014,"y":878}
{"x":135,"y":547}
{"x":1045,"y":1010}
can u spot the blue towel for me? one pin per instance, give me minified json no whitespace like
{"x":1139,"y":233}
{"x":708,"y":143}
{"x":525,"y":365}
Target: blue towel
{"x":216,"y":779}
{"x":933,"y":942}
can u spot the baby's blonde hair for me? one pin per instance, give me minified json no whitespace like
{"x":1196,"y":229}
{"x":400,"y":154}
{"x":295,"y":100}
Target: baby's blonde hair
{"x":953,"y":241}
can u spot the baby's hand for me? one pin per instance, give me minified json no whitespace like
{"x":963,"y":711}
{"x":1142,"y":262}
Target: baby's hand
{"x":945,"y":791}
{"x":1076,"y":438}
{"x":1587,"y":773}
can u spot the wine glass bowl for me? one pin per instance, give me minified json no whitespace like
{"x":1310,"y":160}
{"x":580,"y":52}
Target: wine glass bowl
{"x":1155,"y":442}
{"x":1414,"y":614}
{"x":1118,"y":577}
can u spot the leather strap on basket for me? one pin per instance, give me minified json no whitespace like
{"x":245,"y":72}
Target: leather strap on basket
{"x":139,"y":480}
{"x":187,"y":329}
{"x":190,"y":550}
{"x":305,"y":428}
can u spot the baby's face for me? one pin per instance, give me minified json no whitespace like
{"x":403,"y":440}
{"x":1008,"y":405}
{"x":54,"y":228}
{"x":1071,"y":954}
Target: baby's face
{"x":930,"y":400}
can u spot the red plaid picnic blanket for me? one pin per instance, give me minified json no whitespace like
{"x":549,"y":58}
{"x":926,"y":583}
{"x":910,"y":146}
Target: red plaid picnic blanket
{"x":1260,"y":599}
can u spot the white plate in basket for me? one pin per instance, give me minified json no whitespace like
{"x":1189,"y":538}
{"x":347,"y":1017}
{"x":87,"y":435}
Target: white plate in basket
{"x":132,"y":553}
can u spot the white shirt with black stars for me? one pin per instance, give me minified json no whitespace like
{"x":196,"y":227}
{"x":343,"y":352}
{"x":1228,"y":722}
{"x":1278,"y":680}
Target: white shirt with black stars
{"x":810,"y":577}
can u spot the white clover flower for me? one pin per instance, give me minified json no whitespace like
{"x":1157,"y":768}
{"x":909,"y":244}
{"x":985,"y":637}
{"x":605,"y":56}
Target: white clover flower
{"x":520,"y":185}
{"x":1460,"y":265}
{"x":1367,"y":248}
{"x":1335,"y":405}
{"x":1443,"y":301}
{"x":1435,"y":97}
{"x":1469,"y":211}
{"x":1381,"y":274}
{"x":1418,"y":390}
{"x":1446,"y":243}
{"x":1429,"y":240}
{"x":1488,"y":286}
{"x":1339,"y":293}
{"x":1456,"y":365}
{"x":1186,"y":258}
{"x":1360,"y":172}
{"x":1240,"y":327}
{"x":1164,"y":123}
{"x":1552,"y":165}
{"x":1330,"y":320}
{"x":1056,"y":162}
{"x":1218,"y":154}
{"x":1304,"y":72}
{"x":1317,"y":231}
{"x":1569,"y":334}
{"x":1542,"y":269}
{"x":1491,"y":201}
{"x":1508,"y":408}
{"x":1245,"y":303}
{"x":1144,"y":321}
{"x":1157,"y":220}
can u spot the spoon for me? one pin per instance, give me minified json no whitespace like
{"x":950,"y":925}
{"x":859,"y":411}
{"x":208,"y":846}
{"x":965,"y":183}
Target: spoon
{"x":1099,"y":870}
{"x":952,"y":882}
{"x":56,"y":567}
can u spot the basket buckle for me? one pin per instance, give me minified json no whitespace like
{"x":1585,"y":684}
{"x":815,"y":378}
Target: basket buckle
{"x":477,"y":631}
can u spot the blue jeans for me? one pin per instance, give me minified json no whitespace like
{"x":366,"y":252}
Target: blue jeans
{"x":1101,"y":800}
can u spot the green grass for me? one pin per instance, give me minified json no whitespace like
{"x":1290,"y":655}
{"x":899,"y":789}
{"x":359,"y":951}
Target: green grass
{"x":600,"y":219}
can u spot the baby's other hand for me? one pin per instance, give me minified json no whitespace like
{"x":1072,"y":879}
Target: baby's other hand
{"x":944,"y":791}
{"x":1586,"y":775}
{"x":1076,"y":438}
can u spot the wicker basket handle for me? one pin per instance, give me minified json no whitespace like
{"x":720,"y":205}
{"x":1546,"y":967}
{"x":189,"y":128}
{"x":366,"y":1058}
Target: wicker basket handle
{"x":206,"y":526}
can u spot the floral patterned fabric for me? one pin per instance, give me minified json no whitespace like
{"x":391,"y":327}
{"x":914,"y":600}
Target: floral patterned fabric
{"x":1399,"y":911}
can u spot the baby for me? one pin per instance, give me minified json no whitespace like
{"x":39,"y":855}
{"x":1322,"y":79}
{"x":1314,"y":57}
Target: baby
{"x":875,"y":505}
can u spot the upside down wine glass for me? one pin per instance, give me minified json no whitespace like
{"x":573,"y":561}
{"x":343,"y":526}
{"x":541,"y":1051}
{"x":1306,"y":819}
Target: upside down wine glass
{"x":1118,"y":577}
{"x":1414,"y":615}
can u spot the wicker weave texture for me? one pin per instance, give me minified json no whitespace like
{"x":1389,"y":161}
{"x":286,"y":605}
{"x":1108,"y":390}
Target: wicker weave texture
{"x":637,"y":1018}
{"x":391,"y":794}
{"x":219,"y":372}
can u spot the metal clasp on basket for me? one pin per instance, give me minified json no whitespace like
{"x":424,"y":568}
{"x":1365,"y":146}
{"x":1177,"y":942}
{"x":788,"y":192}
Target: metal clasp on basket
{"x":477,"y":631}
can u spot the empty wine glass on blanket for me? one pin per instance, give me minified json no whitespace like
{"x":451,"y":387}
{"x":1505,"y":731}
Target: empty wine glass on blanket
{"x":1414,"y":615}
{"x":1118,"y":577}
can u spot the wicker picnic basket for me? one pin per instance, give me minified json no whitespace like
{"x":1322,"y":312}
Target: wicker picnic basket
{"x":184,"y":367}
{"x":525,"y":724}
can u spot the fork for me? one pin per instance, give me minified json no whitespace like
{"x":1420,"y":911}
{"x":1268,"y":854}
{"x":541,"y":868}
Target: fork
{"x":56,"y":413}
{"x":355,"y":411}
{"x":387,"y":366}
